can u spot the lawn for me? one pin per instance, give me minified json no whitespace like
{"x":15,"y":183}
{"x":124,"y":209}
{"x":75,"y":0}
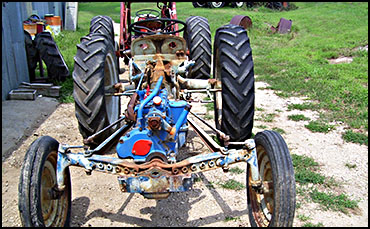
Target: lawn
{"x":295,"y":63}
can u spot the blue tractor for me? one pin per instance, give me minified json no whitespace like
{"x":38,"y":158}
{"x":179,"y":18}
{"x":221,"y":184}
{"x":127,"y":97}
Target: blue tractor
{"x":164,"y":71}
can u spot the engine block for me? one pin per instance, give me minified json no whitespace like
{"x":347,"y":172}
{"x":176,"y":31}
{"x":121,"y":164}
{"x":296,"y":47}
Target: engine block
{"x":160,"y":129}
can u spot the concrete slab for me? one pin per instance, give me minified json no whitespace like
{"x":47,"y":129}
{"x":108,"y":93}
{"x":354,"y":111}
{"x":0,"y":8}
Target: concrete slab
{"x":20,"y":118}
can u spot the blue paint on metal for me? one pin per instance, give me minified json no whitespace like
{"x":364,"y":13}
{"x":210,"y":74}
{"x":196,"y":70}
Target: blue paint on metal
{"x":155,"y":91}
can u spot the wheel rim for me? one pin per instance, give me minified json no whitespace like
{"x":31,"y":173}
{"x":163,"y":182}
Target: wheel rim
{"x":239,"y":4}
{"x":217,"y":4}
{"x":54,"y":211}
{"x":262,"y":204}
{"x":110,"y":78}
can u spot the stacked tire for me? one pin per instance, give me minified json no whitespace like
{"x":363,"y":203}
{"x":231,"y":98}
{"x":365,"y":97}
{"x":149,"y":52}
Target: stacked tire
{"x":199,"y":44}
{"x":53,"y":58}
{"x":95,"y":70}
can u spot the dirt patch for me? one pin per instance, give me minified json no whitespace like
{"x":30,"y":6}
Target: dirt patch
{"x":341,"y":60}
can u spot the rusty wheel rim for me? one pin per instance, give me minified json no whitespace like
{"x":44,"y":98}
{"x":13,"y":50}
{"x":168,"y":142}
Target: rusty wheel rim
{"x":262,"y":204}
{"x":54,"y":211}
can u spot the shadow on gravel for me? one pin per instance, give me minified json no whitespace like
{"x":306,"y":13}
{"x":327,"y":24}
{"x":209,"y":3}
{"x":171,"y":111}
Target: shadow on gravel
{"x":173,"y":211}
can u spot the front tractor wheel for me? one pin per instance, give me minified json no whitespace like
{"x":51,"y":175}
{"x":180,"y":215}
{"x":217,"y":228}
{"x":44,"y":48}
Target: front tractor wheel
{"x":95,"y":71}
{"x":274,"y":204}
{"x":40,"y":205}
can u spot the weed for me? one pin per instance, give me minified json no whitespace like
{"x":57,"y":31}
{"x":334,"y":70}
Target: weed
{"x":319,"y":126}
{"x":279,"y":130}
{"x":232,"y":184}
{"x":350,"y":166}
{"x":236,"y":170}
{"x":303,"y":218}
{"x":309,"y":224}
{"x":298,"y":117}
{"x":305,"y":170}
{"x":350,"y":136}
{"x":259,"y":109}
{"x":334,"y":202}
{"x":267,"y":117}
{"x":208,"y":116}
{"x":209,"y":106}
{"x":230,"y":218}
{"x":262,"y":126}
{"x":303,"y":106}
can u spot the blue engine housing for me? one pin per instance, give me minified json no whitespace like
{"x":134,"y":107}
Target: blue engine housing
{"x":143,"y":143}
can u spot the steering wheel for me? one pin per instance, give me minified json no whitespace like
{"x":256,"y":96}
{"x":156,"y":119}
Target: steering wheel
{"x":147,"y":12}
{"x":163,"y":26}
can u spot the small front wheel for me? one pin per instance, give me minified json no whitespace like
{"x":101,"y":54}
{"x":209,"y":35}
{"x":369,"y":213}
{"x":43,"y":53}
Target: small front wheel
{"x":274,"y":204}
{"x":38,"y":202}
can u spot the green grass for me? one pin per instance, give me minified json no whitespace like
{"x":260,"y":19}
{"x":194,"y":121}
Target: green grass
{"x":306,"y":170}
{"x":319,"y":126}
{"x":351,"y":136}
{"x":236,"y":170}
{"x":298,"y":117}
{"x":232,"y":184}
{"x":331,"y":201}
{"x":294,"y":63}
{"x":279,"y":130}
{"x":309,"y":224}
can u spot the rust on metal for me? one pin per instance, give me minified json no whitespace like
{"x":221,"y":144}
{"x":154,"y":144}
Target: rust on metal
{"x":242,"y":20}
{"x":130,"y":113}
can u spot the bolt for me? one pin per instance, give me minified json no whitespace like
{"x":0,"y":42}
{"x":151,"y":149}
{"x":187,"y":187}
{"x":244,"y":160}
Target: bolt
{"x":202,"y":165}
{"x":193,"y":167}
{"x":211,"y":163}
{"x":121,"y":141}
{"x":185,"y":169}
{"x":109,"y":167}
{"x":118,"y":169}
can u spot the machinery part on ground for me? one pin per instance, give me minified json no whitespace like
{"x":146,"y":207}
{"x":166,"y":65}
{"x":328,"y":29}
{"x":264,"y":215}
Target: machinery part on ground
{"x":237,"y":4}
{"x":242,"y":20}
{"x":273,"y":203}
{"x":156,"y":25}
{"x":95,"y":69}
{"x":233,"y":65}
{"x":50,"y":54}
{"x":199,"y":4}
{"x":32,"y":55}
{"x":102,"y":24}
{"x":199,"y":43}
{"x":40,"y":203}
{"x":216,"y":4}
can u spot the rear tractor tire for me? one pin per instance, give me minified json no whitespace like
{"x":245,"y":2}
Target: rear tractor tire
{"x":199,"y":44}
{"x":95,"y":68}
{"x":233,"y":65}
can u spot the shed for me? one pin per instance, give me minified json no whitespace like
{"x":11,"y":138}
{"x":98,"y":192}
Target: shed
{"x":14,"y":60}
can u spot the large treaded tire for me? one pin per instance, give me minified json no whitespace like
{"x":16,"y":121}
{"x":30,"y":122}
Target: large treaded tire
{"x":32,"y":55}
{"x":199,"y":43}
{"x":102,"y":24}
{"x":94,"y":69}
{"x":38,"y":176}
{"x":53,"y":58}
{"x":275,"y":207}
{"x":233,"y":65}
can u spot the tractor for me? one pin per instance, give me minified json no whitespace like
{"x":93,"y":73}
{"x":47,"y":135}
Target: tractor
{"x":164,"y":69}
